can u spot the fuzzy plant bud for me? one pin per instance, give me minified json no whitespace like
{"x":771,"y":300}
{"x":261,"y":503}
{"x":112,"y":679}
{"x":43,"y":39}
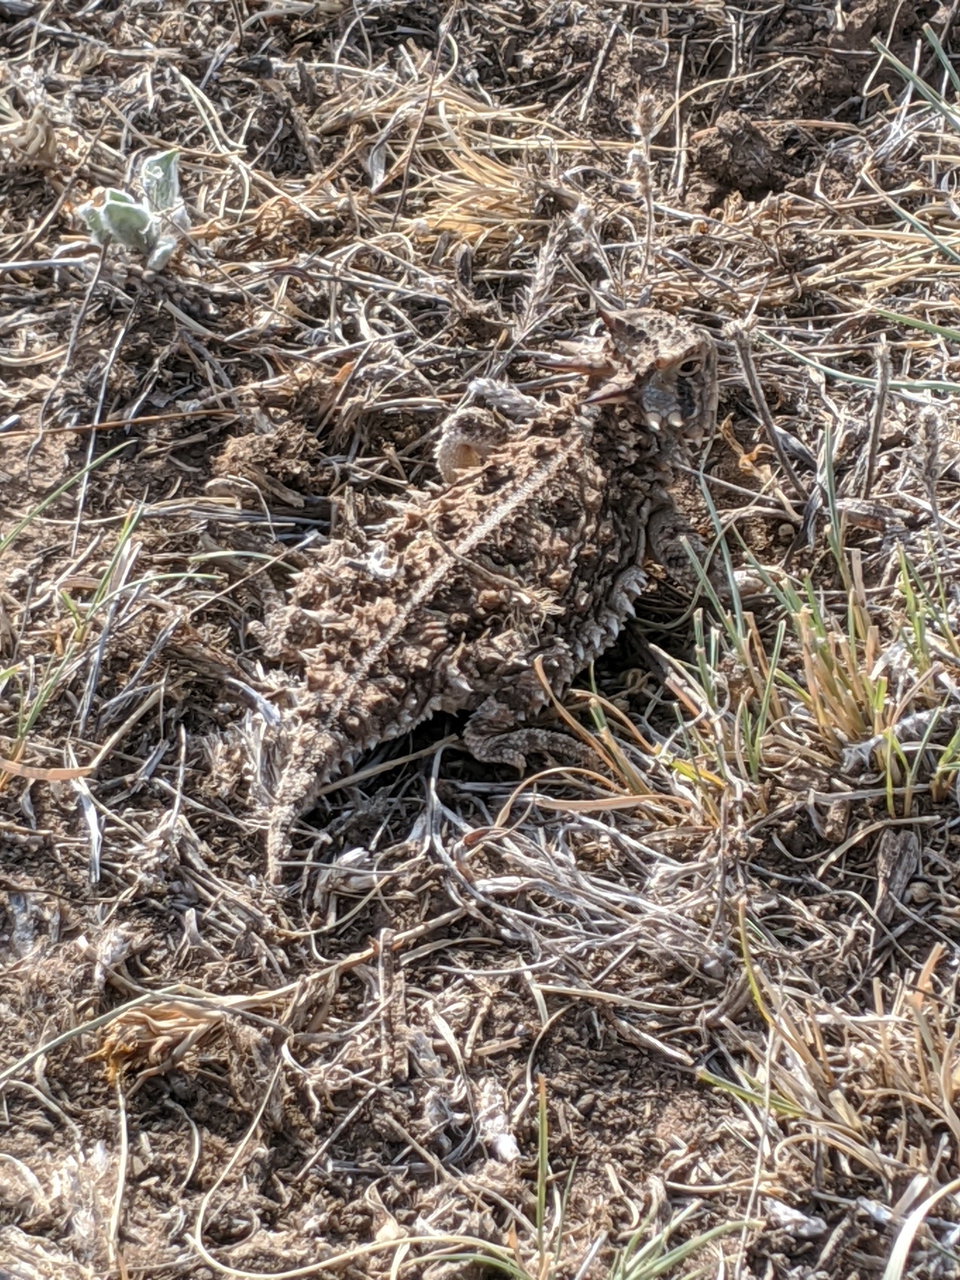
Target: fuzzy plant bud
{"x":115,"y":215}
{"x":161,"y":181}
{"x":149,"y":227}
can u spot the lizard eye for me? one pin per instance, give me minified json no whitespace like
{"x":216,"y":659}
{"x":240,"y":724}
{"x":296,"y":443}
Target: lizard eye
{"x":690,"y":367}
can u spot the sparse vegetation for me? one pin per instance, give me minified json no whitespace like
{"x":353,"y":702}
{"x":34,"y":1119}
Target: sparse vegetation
{"x":689,"y":1013}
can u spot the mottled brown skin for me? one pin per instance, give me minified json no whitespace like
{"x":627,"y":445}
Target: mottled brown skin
{"x":534,"y":550}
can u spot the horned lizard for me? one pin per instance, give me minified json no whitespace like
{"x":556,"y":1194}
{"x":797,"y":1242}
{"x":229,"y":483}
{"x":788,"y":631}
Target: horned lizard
{"x":532,"y":549}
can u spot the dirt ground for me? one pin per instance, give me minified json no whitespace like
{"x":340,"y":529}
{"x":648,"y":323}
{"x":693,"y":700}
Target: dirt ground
{"x":695,"y":1016}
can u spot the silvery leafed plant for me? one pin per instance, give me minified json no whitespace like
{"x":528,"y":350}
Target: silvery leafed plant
{"x":149,"y":226}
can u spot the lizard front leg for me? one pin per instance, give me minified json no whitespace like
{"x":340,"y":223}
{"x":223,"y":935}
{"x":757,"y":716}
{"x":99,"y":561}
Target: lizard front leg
{"x":666,"y":531}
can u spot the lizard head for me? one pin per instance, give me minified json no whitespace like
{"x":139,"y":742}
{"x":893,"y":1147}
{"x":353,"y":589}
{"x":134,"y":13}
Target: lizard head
{"x":665,"y":367}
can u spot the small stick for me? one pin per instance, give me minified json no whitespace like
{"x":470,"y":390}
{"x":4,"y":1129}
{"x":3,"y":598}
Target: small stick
{"x":741,"y":338}
{"x":879,"y":408}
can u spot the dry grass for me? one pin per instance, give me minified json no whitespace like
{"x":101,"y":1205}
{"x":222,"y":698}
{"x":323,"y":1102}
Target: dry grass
{"x":691,"y":1013}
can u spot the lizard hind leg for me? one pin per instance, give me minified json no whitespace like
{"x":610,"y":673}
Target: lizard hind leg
{"x":488,"y":739}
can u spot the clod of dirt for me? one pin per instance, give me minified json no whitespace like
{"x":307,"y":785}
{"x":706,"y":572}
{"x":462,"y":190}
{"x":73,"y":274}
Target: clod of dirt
{"x":739,"y":156}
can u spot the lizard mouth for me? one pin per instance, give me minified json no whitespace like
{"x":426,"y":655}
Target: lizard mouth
{"x":679,"y":397}
{"x":665,"y":370}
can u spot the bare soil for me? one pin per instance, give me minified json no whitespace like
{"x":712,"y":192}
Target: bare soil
{"x":721,"y":1001}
